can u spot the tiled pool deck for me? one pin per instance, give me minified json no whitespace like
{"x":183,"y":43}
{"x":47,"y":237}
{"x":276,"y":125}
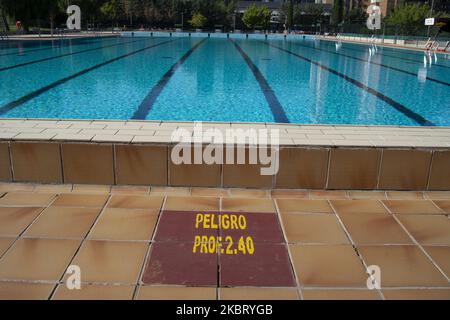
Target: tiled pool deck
{"x":136,"y":243}
{"x":311,"y":156}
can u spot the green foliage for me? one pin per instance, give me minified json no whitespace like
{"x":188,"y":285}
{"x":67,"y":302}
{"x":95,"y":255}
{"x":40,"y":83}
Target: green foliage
{"x":256,"y":16}
{"x":338,"y":12}
{"x":409,"y":15}
{"x":198,"y":20}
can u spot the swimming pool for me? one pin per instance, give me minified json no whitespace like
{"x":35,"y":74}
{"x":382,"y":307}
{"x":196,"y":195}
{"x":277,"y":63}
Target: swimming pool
{"x":302,"y":81}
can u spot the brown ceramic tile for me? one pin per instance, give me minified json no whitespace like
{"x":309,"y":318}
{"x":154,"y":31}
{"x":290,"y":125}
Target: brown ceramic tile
{"x":303,"y":206}
{"x":182,"y":226}
{"x":290,"y":194}
{"x":5,"y":170}
{"x":111,"y":262}
{"x":404,"y":195}
{"x":258,"y":294}
{"x":135,"y":202}
{"x":412,"y":207}
{"x":37,"y":259}
{"x":125,"y":224}
{"x":5,"y":243}
{"x":340,"y":294}
{"x":404,"y":169}
{"x":91,"y":189}
{"x":248,"y":205}
{"x":26,"y":199}
{"x":88,"y":163}
{"x":80,"y":200}
{"x":130,"y":190}
{"x":62,"y":222}
{"x":191,"y":204}
{"x":417,"y":294}
{"x":177,"y":264}
{"x":199,"y":175}
{"x":440,"y":171}
{"x":267,"y":266}
{"x":36,"y":162}
{"x":249,"y":193}
{"x":441,"y":256}
{"x":443,"y":204}
{"x":176,"y":293}
{"x":438,"y":195}
{"x":210,"y":192}
{"x":431,"y":230}
{"x":262,"y":227}
{"x":25,"y":291}
{"x":16,"y":187}
{"x":354,"y":168}
{"x":329,"y":266}
{"x":374,"y":228}
{"x":245,"y":175}
{"x":53,"y":188}
{"x":328,"y":195}
{"x":141,"y":165}
{"x":313,"y":228}
{"x":302,"y":168}
{"x":402,"y":266}
{"x":170,"y":191}
{"x":358,"y":206}
{"x":14,"y":220}
{"x":94,"y":292}
{"x":370,"y":195}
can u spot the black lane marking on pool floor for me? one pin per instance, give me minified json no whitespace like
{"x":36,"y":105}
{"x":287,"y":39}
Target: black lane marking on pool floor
{"x":61,"y":45}
{"x":398,"y":106}
{"x":375,"y":63}
{"x":386,"y":55}
{"x":148,"y":102}
{"x":66,"y":55}
{"x":269,"y":94}
{"x":11,"y":105}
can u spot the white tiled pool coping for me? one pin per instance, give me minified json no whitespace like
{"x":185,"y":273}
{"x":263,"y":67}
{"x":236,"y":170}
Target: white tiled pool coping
{"x":160,"y":132}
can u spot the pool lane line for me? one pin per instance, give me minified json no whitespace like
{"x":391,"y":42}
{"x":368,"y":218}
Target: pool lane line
{"x":147,"y":104}
{"x":65,"y":55}
{"x":398,"y":106}
{"x":11,"y":105}
{"x":376,"y":63}
{"x":59,"y":46}
{"x":275,"y":105}
{"x":387,"y":55}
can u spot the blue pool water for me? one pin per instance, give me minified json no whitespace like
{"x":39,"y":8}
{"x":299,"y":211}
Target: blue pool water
{"x":302,"y":81}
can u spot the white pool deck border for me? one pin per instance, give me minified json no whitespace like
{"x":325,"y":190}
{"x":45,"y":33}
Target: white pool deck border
{"x":136,"y":132}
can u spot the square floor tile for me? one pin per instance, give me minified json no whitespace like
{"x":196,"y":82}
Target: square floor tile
{"x":191,"y":204}
{"x":267,"y":266}
{"x":94,"y":292}
{"x":5,"y":243}
{"x":340,"y":294}
{"x":135,"y":202}
{"x":25,"y":291}
{"x":184,"y":226}
{"x":403,"y":266}
{"x":328,"y":194}
{"x":111,"y":262}
{"x":328,"y":265}
{"x":258,"y":294}
{"x":404,"y":195}
{"x":248,"y":205}
{"x":427,"y":229}
{"x":358,"y":206}
{"x":248,"y":193}
{"x":444,"y":205}
{"x":313,"y":228}
{"x":439,"y":195}
{"x":177,"y":264}
{"x":63,"y":222}
{"x":125,"y":224}
{"x":37,"y":259}
{"x":417,"y":294}
{"x":14,"y":220}
{"x":370,"y":195}
{"x":441,"y":256}
{"x":289,"y":194}
{"x":176,"y":293}
{"x":374,"y":228}
{"x":26,"y":199}
{"x":303,"y":206}
{"x":80,"y":200}
{"x":412,"y":207}
{"x":262,"y":227}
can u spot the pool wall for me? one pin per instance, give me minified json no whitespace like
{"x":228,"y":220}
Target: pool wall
{"x":138,"y":153}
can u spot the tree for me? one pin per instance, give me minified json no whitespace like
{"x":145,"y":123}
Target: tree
{"x":409,"y":17}
{"x":338,"y":12}
{"x":256,"y":16}
{"x":198,"y":20}
{"x":113,"y":9}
